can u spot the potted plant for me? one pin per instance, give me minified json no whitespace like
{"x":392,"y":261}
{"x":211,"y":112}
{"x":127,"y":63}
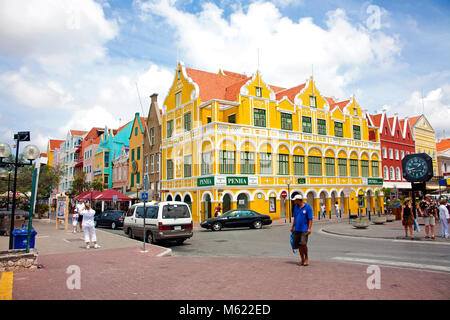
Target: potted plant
{"x":379,"y":219}
{"x":361,"y":223}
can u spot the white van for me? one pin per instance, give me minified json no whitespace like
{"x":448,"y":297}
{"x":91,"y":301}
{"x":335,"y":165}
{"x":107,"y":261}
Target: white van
{"x":168,"y":220}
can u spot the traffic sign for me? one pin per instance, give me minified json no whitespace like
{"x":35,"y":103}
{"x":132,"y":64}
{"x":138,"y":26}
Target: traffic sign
{"x":144,"y":196}
{"x":145,"y":183}
{"x":283,"y":194}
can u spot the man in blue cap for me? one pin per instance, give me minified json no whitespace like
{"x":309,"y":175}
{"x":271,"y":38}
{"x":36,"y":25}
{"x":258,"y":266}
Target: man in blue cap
{"x":301,"y":226}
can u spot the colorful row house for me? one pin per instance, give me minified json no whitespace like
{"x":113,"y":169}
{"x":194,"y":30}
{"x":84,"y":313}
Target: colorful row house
{"x":396,"y":141}
{"x":235,"y":140}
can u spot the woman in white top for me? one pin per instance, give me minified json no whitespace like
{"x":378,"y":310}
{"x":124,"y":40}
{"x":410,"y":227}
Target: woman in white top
{"x":89,"y":226}
{"x":444,"y":216}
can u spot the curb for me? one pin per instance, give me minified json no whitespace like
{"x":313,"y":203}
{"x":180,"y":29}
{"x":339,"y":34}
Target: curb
{"x":383,"y":238}
{"x":166,"y":253}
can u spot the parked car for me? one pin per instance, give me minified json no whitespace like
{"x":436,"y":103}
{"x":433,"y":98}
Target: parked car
{"x":237,"y":219}
{"x":168,"y":220}
{"x":110,"y":218}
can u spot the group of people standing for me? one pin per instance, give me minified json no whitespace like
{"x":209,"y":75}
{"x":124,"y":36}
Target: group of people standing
{"x":83,"y":217}
{"x":430,"y":210}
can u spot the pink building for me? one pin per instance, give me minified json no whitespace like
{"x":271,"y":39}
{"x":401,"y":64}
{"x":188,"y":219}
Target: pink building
{"x":120,"y":170}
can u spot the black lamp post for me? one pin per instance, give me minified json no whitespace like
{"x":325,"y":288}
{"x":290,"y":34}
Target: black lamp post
{"x":31,"y":153}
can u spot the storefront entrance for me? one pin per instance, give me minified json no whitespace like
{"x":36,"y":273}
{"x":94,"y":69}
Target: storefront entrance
{"x":242,"y":201}
{"x":226,"y":203}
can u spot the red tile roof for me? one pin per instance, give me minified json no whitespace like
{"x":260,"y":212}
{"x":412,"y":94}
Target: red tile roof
{"x":234,"y":74}
{"x":55,"y":144}
{"x":413,"y":120}
{"x":443,"y":145}
{"x":377,"y":119}
{"x":77,"y":132}
{"x":290,"y":93}
{"x":341,"y":105}
{"x":232,"y":91}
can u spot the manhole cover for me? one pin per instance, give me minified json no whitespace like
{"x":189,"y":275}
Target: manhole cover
{"x":74,"y":240}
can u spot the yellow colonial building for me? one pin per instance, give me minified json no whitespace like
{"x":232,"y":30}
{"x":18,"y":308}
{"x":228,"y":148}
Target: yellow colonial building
{"x":236,"y":140}
{"x":135,"y":159}
{"x":424,"y":137}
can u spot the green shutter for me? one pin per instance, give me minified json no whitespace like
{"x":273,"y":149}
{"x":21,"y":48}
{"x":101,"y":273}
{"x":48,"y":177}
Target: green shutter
{"x":314,"y":166}
{"x":306,"y":124}
{"x":338,"y":130}
{"x":330,"y":167}
{"x":321,"y":126}
{"x":299,"y":165}
{"x":286,"y":121}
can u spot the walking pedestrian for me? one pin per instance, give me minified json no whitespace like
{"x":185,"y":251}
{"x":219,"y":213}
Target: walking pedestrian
{"x":408,"y":218}
{"x":444,"y":216}
{"x":218,"y":211}
{"x":336,"y":206}
{"x":78,"y":209}
{"x":323,"y":210}
{"x":428,"y":212}
{"x":89,"y":227}
{"x":75,"y":221}
{"x":301,"y":227}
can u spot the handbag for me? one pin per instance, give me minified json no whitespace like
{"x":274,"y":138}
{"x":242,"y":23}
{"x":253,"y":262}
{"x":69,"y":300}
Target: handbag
{"x":294,"y":247}
{"x":416,"y":226}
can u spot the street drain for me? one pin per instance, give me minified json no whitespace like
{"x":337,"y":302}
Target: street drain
{"x":221,"y":240}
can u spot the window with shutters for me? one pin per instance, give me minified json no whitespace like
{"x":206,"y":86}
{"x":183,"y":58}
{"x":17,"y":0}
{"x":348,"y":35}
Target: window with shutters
{"x":299,"y":165}
{"x":283,"y":164}
{"x":338,"y":129}
{"x":259,"y":117}
{"x":321,"y":126}
{"x":364,"y":168}
{"x":247,"y":162}
{"x":356,"y":132}
{"x":265,"y":163}
{"x":187,"y":122}
{"x":286,"y":121}
{"x":169,"y":169}
{"x":314,"y":166}
{"x":375,"y":171}
{"x":227,"y":162}
{"x":188,"y":166}
{"x":342,"y":167}
{"x":206,"y":163}
{"x":353,"y":167}
{"x":306,"y":125}
{"x":330,"y":167}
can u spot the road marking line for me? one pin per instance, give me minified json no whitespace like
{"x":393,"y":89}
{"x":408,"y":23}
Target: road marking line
{"x":361,"y":254}
{"x":6,"y":286}
{"x":394,"y":263}
{"x":423,"y":242}
{"x":167,"y":252}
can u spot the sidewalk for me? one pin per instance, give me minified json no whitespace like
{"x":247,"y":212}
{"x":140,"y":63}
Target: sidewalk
{"x":389,"y":230}
{"x":49,"y":240}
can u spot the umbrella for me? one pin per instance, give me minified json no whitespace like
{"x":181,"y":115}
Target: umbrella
{"x":81,"y":195}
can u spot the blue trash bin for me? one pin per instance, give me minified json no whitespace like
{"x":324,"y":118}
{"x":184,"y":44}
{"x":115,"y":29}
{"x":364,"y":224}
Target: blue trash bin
{"x":20,"y":238}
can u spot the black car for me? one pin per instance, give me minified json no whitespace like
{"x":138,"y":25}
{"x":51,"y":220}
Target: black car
{"x":110,"y":218}
{"x":237,"y":219}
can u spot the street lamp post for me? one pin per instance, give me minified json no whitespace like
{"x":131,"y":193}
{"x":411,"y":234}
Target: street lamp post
{"x":30,"y":153}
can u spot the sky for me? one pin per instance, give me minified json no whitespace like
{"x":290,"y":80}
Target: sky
{"x":76,"y":64}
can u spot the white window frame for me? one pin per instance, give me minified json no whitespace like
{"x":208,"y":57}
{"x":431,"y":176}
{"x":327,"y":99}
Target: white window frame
{"x":397,"y":155}
{"x":399,"y":174}
{"x":391,"y":154}
{"x":392,"y":174}
{"x":385,"y":153}
{"x":152,"y":163}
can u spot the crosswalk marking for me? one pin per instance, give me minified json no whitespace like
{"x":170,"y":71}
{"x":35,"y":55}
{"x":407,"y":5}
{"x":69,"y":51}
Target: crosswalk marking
{"x":392,"y":257}
{"x":394,"y":263}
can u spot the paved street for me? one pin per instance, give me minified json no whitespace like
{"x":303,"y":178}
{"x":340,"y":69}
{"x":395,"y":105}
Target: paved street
{"x":273,"y":242}
{"x":235,"y":264}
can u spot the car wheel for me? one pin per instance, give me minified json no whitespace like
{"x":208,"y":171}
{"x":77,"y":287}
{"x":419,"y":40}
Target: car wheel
{"x":180,"y":241}
{"x":113,"y":226}
{"x":130,"y":233}
{"x":216,"y":226}
{"x":257,"y":224}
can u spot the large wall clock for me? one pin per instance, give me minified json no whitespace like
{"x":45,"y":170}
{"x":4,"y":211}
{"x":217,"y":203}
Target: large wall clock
{"x":417,"y":167}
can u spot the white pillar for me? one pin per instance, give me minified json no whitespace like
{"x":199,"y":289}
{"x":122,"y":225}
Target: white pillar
{"x":103,"y":206}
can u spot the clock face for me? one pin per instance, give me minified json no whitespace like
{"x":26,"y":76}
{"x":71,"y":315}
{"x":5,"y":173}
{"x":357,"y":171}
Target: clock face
{"x":416,"y":168}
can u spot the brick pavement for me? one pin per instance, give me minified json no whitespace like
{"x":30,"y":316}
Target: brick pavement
{"x":126,"y":273}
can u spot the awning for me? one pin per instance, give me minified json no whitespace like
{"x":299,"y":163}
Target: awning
{"x":398,"y":185}
{"x":81,"y":195}
{"x":444,"y":182}
{"x":110,"y":194}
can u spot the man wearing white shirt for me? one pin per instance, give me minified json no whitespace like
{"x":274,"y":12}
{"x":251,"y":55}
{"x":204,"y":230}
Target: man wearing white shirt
{"x":444,"y":216}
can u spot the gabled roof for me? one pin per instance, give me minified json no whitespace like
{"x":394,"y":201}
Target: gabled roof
{"x":443,"y":145}
{"x":413,"y":120}
{"x":341,"y":105}
{"x":234,"y":74}
{"x":211,"y":85}
{"x":289,"y":93}
{"x":377,"y":119}
{"x":55,"y":144}
{"x":123,"y":127}
{"x":77,"y":132}
{"x":232,"y":91}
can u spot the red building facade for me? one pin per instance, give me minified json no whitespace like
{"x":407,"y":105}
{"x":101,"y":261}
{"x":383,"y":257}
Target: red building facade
{"x":396,"y":141}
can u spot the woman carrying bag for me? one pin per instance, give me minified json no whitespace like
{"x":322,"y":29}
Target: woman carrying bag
{"x":408,"y":218}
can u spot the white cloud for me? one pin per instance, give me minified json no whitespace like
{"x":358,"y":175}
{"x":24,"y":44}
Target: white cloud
{"x":55,"y":33}
{"x":340,"y":53}
{"x":435,"y":106}
{"x":29,"y":90}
